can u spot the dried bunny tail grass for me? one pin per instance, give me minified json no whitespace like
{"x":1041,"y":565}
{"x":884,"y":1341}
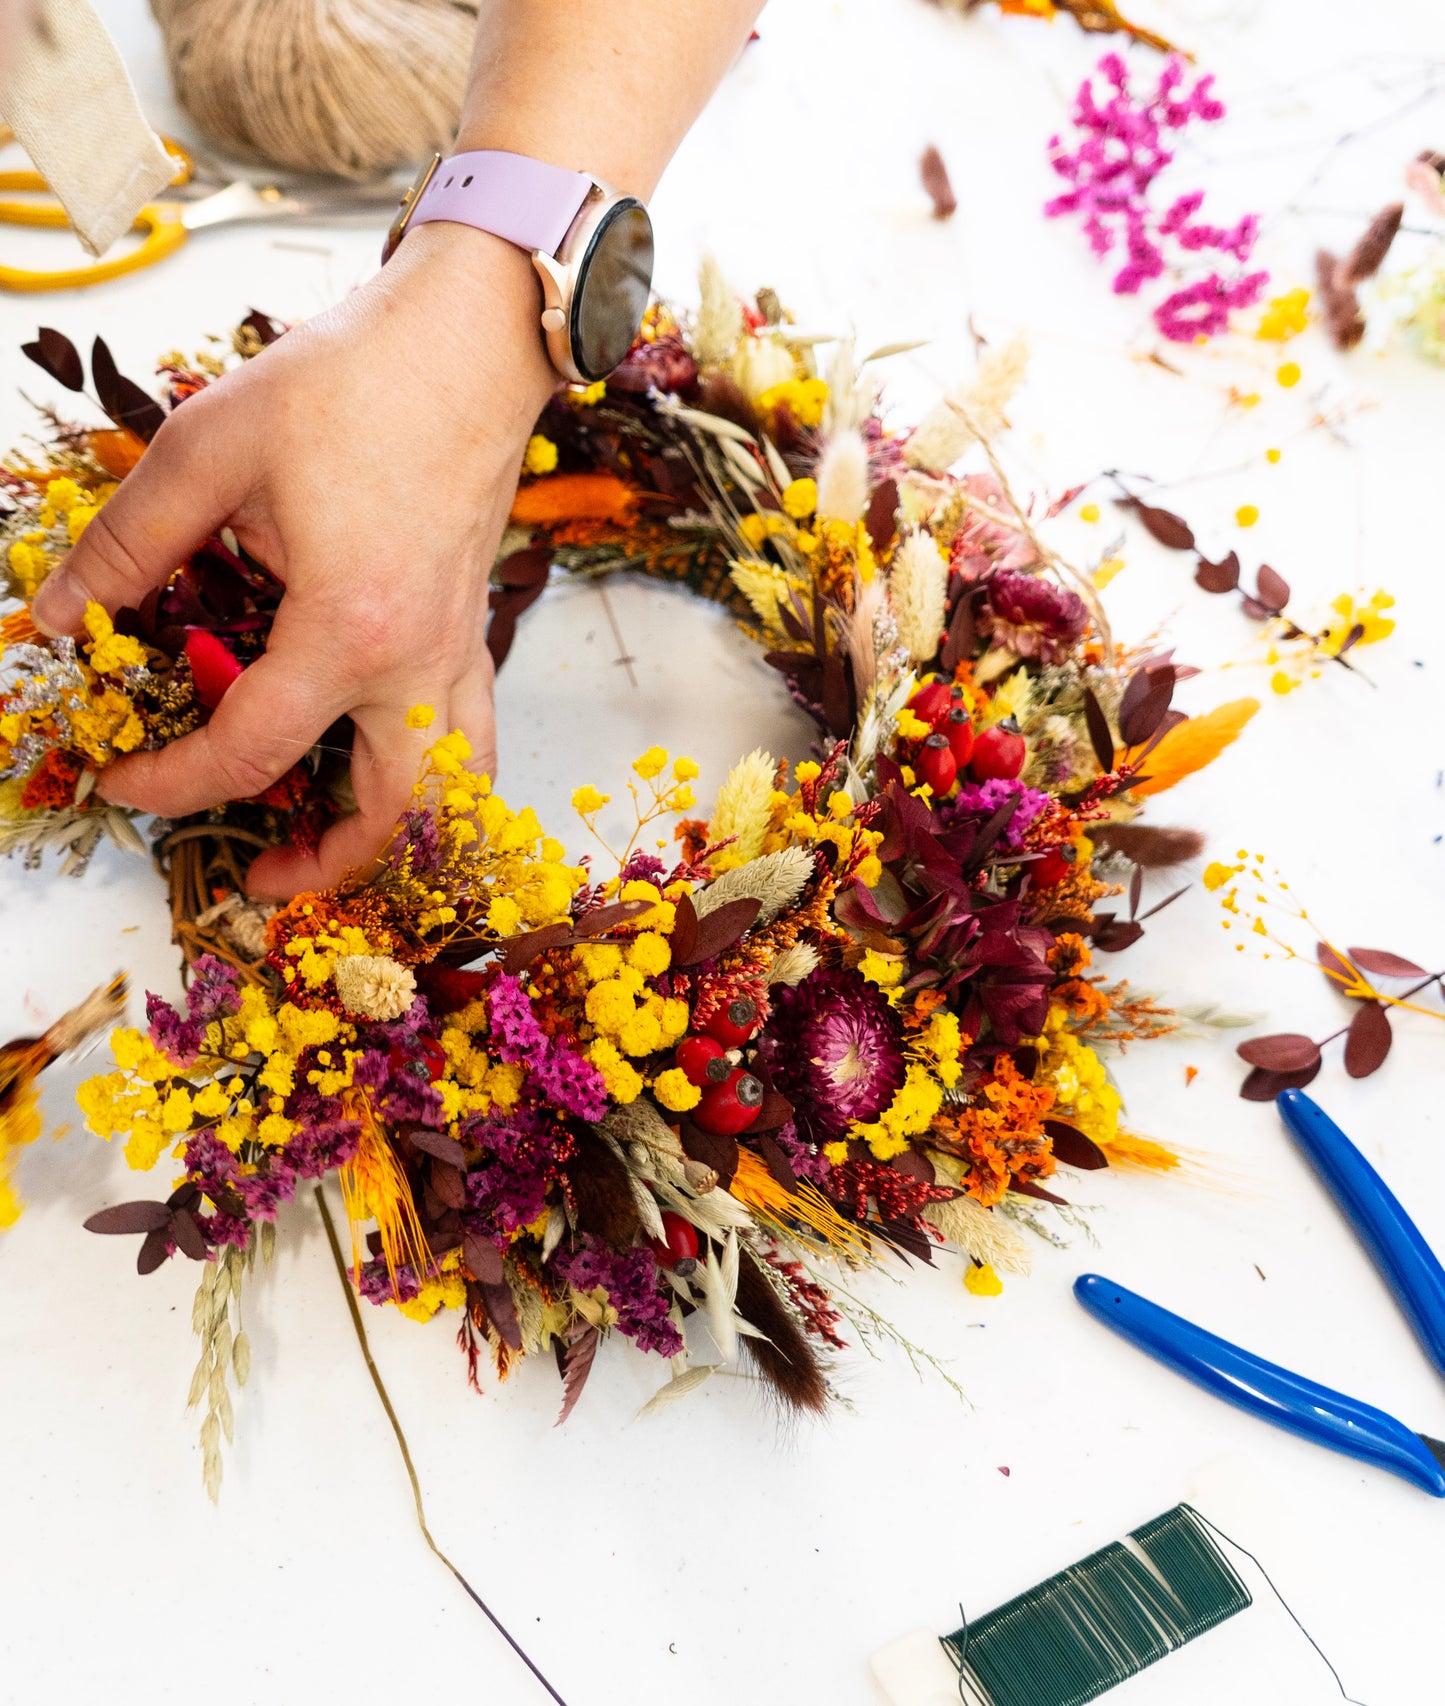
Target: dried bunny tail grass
{"x":719,"y":323}
{"x":843,"y":477}
{"x":918,"y":592}
{"x":742,"y":809}
{"x":775,"y":879}
{"x":850,"y":396}
{"x":969,"y":411}
{"x":1154,"y":846}
{"x":981,"y":1234}
{"x":794,"y":964}
{"x":861,"y":632}
{"x":781,"y":1354}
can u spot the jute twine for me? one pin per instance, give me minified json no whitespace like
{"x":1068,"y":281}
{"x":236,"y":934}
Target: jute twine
{"x":351,"y":88}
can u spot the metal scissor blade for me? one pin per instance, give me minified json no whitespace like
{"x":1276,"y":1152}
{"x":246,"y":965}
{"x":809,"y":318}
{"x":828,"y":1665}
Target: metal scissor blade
{"x":239,"y":201}
{"x":1435,"y":1447}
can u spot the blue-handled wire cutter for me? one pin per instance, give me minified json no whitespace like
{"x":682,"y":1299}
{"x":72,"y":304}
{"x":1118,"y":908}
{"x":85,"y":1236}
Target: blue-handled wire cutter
{"x":1265,"y":1389}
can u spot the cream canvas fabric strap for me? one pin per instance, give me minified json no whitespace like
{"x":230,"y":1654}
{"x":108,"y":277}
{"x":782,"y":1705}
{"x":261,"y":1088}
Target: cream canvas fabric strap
{"x":65,"y":93}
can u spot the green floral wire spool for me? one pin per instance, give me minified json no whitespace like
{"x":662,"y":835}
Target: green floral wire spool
{"x":1101,"y":1621}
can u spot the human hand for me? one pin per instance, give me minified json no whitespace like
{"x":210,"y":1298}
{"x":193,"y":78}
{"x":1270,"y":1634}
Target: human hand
{"x":368,"y":459}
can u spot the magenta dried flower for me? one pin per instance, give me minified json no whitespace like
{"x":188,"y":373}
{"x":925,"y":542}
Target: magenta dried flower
{"x":1119,"y":152}
{"x":1032,"y":616}
{"x":834,"y":1047}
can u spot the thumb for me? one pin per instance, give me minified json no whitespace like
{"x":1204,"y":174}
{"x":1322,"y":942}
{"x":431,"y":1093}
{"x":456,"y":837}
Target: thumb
{"x":177,"y":496}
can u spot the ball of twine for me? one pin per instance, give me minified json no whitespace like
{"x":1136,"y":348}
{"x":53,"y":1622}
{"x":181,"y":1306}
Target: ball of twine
{"x":352,"y":88}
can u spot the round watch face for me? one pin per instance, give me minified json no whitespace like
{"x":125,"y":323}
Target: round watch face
{"x":613,"y":285}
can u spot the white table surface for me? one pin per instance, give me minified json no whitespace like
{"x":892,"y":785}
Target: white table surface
{"x":716,"y":1553}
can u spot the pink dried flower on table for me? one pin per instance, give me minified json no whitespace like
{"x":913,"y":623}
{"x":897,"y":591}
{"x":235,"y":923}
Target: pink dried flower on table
{"x":1119,"y":152}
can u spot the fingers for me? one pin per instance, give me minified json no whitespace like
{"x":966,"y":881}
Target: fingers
{"x":269,"y":719}
{"x":386,"y":758}
{"x":177,"y":496}
{"x":386,"y":761}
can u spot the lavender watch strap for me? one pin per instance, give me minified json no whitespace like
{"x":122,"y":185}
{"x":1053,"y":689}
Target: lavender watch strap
{"x":525,"y":201}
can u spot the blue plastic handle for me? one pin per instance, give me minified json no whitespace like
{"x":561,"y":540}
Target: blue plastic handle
{"x":1387,"y":1232}
{"x":1263,"y":1388}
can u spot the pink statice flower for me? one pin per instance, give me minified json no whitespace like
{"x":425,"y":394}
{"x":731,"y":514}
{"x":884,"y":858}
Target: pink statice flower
{"x":1119,"y":149}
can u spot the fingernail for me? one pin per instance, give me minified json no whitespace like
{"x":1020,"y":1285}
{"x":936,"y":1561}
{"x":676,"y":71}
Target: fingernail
{"x":59,"y":606}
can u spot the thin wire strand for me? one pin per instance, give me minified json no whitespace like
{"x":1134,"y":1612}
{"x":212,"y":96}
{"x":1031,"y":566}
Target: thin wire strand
{"x":381,"y":1392}
{"x":1348,"y":1698}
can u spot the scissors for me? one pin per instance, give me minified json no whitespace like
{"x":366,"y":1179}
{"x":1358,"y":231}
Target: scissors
{"x":196,"y":203}
{"x":1275,"y":1394}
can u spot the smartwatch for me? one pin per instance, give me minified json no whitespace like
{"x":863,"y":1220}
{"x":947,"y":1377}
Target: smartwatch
{"x":592,"y":247}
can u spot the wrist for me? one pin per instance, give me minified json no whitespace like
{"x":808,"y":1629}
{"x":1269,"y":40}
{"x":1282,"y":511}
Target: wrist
{"x":475,"y":299}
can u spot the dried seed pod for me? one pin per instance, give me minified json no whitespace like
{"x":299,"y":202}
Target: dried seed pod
{"x":1363,"y":261}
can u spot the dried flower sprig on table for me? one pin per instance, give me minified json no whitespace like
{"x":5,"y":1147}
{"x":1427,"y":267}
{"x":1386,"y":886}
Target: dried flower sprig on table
{"x":1114,"y":158}
{"x":1294,"y":650}
{"x":1263,"y":909}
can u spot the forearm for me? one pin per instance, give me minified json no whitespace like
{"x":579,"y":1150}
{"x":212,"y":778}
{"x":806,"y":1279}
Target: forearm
{"x":602,"y":86}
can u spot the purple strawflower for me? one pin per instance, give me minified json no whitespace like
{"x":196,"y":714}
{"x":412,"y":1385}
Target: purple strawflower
{"x":834,"y":1047}
{"x":982,"y":799}
{"x":1033,"y":616}
{"x":1119,"y":152}
{"x":632,"y":1284}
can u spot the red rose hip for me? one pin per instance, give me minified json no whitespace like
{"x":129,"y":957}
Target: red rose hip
{"x":678,"y":1243}
{"x":935,"y":765}
{"x":998,"y":753}
{"x":959,"y":730}
{"x":730,"y":1107}
{"x":1054,"y":867}
{"x":701,"y":1061}
{"x":932,"y":702}
{"x":732,"y":1025}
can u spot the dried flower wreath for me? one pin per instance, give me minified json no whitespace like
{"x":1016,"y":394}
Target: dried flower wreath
{"x":854,"y":1012}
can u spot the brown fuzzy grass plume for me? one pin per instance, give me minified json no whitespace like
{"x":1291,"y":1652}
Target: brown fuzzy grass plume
{"x":785,"y":1359}
{"x":1153,"y":846}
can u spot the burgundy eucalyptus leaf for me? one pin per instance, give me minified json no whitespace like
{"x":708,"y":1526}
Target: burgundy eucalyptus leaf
{"x":1097,"y":724}
{"x":936,"y":183}
{"x":1353,"y":638}
{"x":518,"y":952}
{"x":154,"y":1249}
{"x":1168,"y":900}
{"x":684,"y":930}
{"x":609,"y":917}
{"x":718,"y":930}
{"x":1222,"y":576}
{"x":1283,"y":1051}
{"x":59,"y":357}
{"x":776,"y":1160}
{"x":1169,"y":529}
{"x":1116,"y":935}
{"x":1263,"y":1085}
{"x":1136,"y":889}
{"x":121,"y":398}
{"x":188,"y":1236}
{"x":130,"y":1217}
{"x":1252,"y":607}
{"x":1339,"y":971}
{"x":1368,"y":1040}
{"x":1385,"y":964}
{"x":1073,"y":1148}
{"x":449,"y":1185}
{"x":483,"y":1259}
{"x":528,"y":567}
{"x":882,"y":515}
{"x":502,"y":1308}
{"x":1146,"y":699}
{"x":1273,"y":587}
{"x":437,"y":1144}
